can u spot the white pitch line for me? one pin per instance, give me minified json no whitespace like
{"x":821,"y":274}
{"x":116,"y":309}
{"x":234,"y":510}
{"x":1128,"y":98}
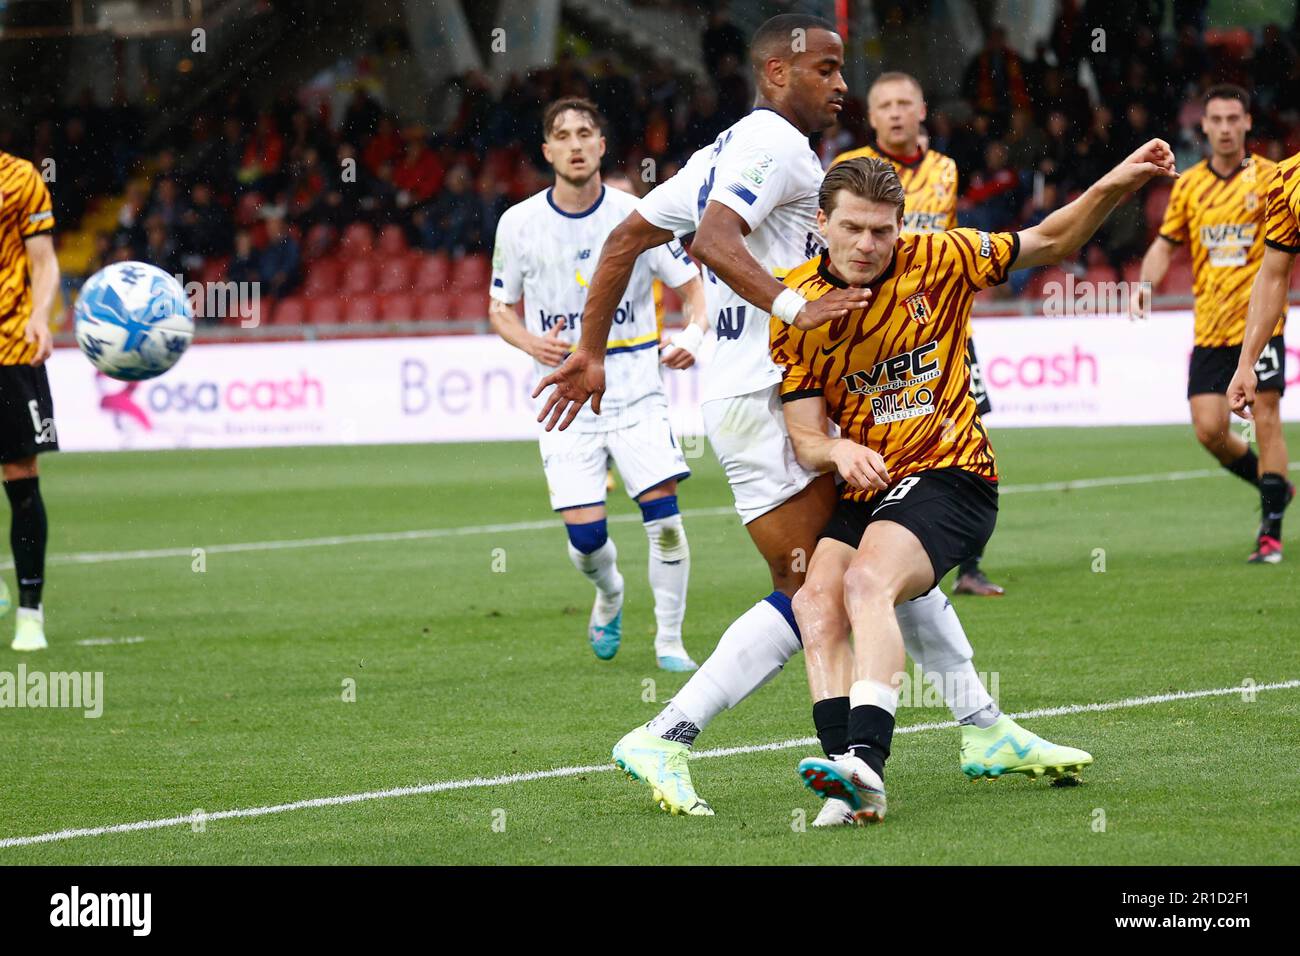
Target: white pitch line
{"x":425,"y":534}
{"x":559,"y":772}
{"x":105,"y":641}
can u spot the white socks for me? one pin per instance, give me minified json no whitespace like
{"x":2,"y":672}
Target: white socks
{"x":670,"y":570}
{"x":600,"y":567}
{"x":751,"y":652}
{"x":872,"y":693}
{"x":937,"y":642}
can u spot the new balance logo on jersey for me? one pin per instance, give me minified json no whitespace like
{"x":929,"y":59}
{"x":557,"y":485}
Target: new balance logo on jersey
{"x":896,"y":371}
{"x":730,"y":322}
{"x":584,"y":254}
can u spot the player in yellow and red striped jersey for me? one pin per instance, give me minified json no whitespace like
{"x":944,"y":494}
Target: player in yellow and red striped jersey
{"x":1268,"y":298}
{"x":920,"y":478}
{"x":896,"y":110}
{"x":1217,"y":210}
{"x":29,"y":281}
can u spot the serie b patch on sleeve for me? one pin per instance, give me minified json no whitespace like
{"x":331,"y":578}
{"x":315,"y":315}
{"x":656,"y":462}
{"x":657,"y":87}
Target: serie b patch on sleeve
{"x":918,"y":308}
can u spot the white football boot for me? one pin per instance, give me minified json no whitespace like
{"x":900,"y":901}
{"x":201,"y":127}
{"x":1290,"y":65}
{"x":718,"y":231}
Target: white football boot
{"x":29,"y":633}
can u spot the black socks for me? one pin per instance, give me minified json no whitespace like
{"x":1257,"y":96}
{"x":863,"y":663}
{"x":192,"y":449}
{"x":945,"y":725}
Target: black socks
{"x":871,"y":729}
{"x":1273,"y":491}
{"x":831,"y":718}
{"x":28,"y":530}
{"x":1246,"y":467}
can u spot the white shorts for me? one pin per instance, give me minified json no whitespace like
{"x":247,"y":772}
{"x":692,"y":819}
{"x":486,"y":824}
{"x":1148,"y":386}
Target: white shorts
{"x":749,"y":437}
{"x":641,"y":446}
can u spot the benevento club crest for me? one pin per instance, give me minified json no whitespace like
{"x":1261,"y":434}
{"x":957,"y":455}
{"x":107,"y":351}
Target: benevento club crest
{"x":918,"y":308}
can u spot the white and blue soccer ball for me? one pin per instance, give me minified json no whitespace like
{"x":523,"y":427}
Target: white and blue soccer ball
{"x":133,"y":321}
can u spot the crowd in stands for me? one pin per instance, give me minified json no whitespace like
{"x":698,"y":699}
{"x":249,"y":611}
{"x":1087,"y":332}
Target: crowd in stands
{"x":258,"y":192}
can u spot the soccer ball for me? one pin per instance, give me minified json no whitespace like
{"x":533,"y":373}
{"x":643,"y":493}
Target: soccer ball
{"x":133,"y":321}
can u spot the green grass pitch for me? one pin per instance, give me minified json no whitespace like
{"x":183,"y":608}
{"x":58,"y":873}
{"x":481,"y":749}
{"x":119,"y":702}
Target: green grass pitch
{"x":469,"y":659}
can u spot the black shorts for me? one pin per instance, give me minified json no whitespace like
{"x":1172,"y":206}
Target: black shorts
{"x":978,"y":390}
{"x":26,"y":413}
{"x":1212,"y":368}
{"x":951,"y":511}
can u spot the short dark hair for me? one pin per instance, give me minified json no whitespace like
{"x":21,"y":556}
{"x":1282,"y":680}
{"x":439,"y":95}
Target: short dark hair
{"x":777,"y":33}
{"x":578,"y":104}
{"x":866,"y":176}
{"x":1227,"y":91}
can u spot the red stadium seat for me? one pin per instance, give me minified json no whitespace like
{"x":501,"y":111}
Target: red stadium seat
{"x":319,"y":239}
{"x":395,"y":275}
{"x":397,"y":308}
{"x":322,"y":277}
{"x":256,"y":317}
{"x":361,"y":309}
{"x":1157,"y":198}
{"x":435,"y":307}
{"x":472,"y":306}
{"x":471,"y":273}
{"x":214,"y":269}
{"x":1044,"y":277}
{"x":432,"y":273}
{"x":290,"y":311}
{"x":392,"y":240}
{"x":358,"y":239}
{"x":359,"y":277}
{"x":326,"y":311}
{"x":1098,"y":274}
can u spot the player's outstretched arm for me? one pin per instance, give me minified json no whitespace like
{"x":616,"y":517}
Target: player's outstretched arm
{"x":805,"y":418}
{"x":582,"y":377}
{"x":680,"y":351}
{"x":720,"y":245}
{"x":1064,"y":232}
{"x":45,"y":285}
{"x":1267,"y":301}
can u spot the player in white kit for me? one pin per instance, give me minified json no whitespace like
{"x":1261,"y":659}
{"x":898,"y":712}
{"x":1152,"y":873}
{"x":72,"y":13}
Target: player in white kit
{"x":751,"y":201}
{"x":546,"y":250}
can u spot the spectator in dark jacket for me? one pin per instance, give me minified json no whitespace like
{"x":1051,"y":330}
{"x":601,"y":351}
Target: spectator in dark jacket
{"x":455,"y":220}
{"x":995,"y":80}
{"x":205,"y":225}
{"x":991,"y":198}
{"x":244,"y":266}
{"x":160,"y":249}
{"x":279,"y":262}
